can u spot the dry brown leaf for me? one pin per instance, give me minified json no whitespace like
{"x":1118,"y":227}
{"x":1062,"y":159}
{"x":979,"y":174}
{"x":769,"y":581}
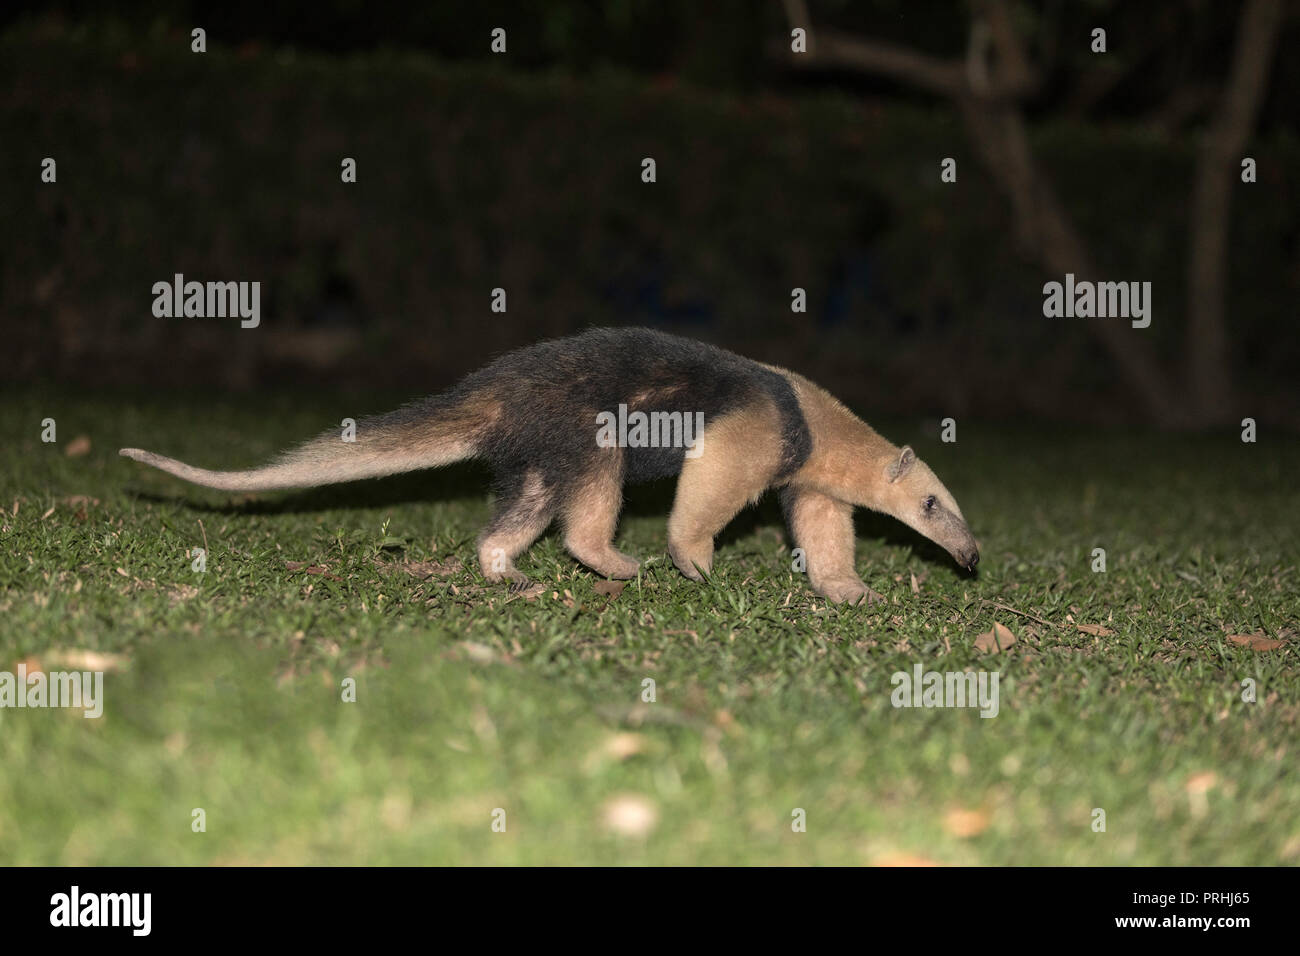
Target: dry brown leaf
{"x":1291,"y":848}
{"x":84,"y":660}
{"x":612,"y":589}
{"x":630,"y":815}
{"x":478,"y":653}
{"x":1256,"y":642}
{"x":78,"y":447}
{"x":998,"y":639}
{"x":966,"y":823}
{"x":312,"y":569}
{"x":1096,"y":630}
{"x":424,"y":570}
{"x":622,"y":745}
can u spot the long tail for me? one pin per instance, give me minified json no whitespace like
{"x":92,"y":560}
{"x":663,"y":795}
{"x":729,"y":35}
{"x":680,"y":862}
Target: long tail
{"x":428,"y":434}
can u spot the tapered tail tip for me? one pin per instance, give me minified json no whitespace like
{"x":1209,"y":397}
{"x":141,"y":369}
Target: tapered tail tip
{"x":138,"y":454}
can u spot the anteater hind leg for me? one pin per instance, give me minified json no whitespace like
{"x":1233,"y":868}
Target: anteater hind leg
{"x":590,"y":516}
{"x":739,"y":457}
{"x":523,"y":510}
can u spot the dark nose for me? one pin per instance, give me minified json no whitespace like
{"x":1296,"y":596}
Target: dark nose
{"x":972,"y":560}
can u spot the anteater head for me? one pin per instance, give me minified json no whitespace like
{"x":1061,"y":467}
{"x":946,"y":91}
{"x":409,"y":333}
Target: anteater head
{"x":912,"y":494}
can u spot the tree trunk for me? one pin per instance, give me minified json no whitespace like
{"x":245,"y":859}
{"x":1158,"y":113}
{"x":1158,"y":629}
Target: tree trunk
{"x":1209,"y":368}
{"x":988,"y":101}
{"x":1049,"y":237}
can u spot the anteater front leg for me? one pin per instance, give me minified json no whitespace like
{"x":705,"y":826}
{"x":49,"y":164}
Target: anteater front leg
{"x":738,"y":456}
{"x":524,"y":508}
{"x":823,"y":527}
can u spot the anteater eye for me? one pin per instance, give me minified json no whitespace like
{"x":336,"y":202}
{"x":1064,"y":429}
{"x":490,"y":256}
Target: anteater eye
{"x":929,"y":503}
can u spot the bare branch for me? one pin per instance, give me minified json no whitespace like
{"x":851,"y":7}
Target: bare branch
{"x":796,"y":13}
{"x":977,"y":58}
{"x":944,"y":77}
{"x":1015,"y":77}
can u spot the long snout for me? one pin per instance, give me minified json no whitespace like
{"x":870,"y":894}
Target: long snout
{"x":967,"y":554}
{"x":961,"y":544}
{"x":949,"y":531}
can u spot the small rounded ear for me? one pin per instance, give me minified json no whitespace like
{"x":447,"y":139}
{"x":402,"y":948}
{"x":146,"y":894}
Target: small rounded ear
{"x":902,"y":464}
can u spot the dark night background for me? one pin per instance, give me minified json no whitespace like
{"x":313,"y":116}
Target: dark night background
{"x":522,"y":171}
{"x":1136,"y":606}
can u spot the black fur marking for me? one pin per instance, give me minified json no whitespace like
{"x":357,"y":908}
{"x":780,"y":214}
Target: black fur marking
{"x":551,"y":392}
{"x":514,"y":507}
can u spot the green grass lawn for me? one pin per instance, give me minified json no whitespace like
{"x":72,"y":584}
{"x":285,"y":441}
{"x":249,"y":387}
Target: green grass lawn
{"x":223,"y":689}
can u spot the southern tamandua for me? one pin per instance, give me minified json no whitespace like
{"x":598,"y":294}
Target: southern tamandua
{"x":534,"y":415}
